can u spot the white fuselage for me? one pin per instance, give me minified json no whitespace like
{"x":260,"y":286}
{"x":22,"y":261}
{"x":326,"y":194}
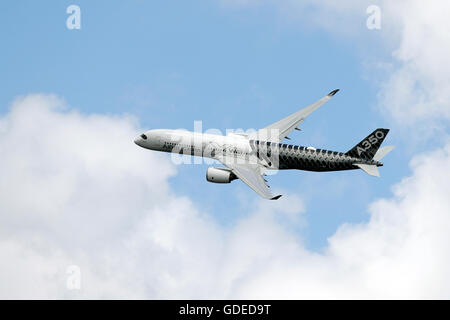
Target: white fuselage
{"x":239,"y":149}
{"x":195,"y":143}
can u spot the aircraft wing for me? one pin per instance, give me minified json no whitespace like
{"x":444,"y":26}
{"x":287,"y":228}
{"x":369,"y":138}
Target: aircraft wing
{"x":251,"y":175}
{"x":279,"y":130}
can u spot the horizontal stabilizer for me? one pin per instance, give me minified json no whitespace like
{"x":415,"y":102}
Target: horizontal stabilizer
{"x":382,"y":152}
{"x":369,"y":169}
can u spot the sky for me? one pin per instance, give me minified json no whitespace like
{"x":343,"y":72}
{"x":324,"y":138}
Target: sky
{"x":77,"y":194}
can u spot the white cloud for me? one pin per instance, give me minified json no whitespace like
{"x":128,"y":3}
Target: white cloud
{"x":75,"y":190}
{"x":71,"y":184}
{"x":417,"y":90}
{"x":402,"y":252}
{"x":413,"y":91}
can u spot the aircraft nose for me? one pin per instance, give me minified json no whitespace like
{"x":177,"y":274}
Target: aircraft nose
{"x":140,"y":140}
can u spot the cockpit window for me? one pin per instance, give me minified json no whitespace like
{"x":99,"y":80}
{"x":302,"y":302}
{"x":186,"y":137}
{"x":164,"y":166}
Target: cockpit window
{"x":143,"y":136}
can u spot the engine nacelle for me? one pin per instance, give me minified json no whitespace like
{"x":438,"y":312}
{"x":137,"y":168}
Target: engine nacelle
{"x":220,"y":175}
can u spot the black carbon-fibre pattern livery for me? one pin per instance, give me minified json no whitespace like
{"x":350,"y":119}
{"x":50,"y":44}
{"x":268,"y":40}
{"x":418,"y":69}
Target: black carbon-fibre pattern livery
{"x":367,"y":148}
{"x":285,"y":156}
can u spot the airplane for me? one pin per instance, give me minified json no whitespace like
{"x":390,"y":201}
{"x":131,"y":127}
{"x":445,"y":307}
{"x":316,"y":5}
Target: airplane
{"x":247,"y":156}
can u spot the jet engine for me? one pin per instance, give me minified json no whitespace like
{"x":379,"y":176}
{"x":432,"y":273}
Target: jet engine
{"x":220,"y":175}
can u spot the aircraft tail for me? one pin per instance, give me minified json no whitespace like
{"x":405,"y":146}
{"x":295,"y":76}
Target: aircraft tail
{"x":368,"y":147}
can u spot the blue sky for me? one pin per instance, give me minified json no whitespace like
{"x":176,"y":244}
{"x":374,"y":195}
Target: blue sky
{"x":170,"y":63}
{"x":77,"y":192}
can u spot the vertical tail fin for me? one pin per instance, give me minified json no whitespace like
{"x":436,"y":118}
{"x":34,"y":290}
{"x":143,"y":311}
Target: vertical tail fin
{"x":368,"y":147}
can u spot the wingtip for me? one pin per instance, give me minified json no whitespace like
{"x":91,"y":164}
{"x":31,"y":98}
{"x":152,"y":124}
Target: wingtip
{"x":332,"y":93}
{"x":276,"y":197}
